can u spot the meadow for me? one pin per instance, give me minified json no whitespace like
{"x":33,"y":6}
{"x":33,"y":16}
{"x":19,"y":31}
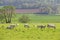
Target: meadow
{"x":37,"y":18}
{"x":32,"y":33}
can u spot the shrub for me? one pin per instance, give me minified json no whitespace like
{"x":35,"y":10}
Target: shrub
{"x":24,"y":19}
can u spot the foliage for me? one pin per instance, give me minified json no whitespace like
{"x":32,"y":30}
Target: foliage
{"x":1,"y":16}
{"x":24,"y":19}
{"x":7,"y":12}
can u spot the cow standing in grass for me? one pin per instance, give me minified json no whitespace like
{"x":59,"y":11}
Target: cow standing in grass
{"x":12,"y":26}
{"x":51,"y":26}
{"x":41,"y":26}
{"x":26,"y":25}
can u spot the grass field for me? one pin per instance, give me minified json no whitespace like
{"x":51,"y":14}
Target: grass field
{"x":37,"y":18}
{"x":32,"y":33}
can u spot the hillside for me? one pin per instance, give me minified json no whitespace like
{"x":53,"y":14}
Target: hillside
{"x":51,"y":6}
{"x":29,"y":3}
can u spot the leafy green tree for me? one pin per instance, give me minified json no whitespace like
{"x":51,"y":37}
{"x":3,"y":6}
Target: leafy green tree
{"x":8,"y":12}
{"x":1,"y":15}
{"x":24,"y":19}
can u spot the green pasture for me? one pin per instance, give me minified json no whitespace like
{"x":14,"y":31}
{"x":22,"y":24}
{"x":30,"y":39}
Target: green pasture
{"x":37,"y":18}
{"x":32,"y":33}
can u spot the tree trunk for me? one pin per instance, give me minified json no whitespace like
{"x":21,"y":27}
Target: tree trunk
{"x":8,"y":21}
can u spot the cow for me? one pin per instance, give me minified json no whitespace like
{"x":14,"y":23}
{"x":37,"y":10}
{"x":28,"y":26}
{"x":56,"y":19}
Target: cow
{"x":17,"y":24}
{"x":51,"y":26}
{"x":41,"y":26}
{"x":11,"y":26}
{"x":26,"y":25}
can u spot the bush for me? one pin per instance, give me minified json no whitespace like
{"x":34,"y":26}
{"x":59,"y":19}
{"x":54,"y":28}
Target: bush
{"x":24,"y":19}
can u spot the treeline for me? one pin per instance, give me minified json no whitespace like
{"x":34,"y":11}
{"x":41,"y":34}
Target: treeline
{"x":28,"y":3}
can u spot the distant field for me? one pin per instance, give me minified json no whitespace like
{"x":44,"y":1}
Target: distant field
{"x":37,"y":18}
{"x":32,"y":33}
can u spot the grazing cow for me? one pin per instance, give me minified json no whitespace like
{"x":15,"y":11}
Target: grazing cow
{"x":26,"y":25}
{"x":12,"y":26}
{"x":17,"y":24}
{"x":51,"y":26}
{"x":41,"y":26}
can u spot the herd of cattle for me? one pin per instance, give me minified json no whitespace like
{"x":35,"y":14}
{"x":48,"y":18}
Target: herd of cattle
{"x":11,"y":26}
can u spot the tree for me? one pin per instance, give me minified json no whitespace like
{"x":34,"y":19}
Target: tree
{"x":1,"y":15}
{"x":8,"y":12}
{"x":24,"y":19}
